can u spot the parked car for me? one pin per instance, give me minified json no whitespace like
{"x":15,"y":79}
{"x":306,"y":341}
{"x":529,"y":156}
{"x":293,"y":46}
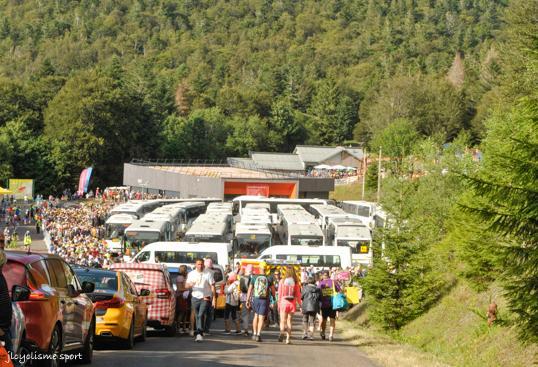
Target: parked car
{"x":161,"y":301}
{"x":59,"y":315}
{"x":120,"y":310}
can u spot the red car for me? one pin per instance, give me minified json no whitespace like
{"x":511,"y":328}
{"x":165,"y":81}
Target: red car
{"x":59,"y":315}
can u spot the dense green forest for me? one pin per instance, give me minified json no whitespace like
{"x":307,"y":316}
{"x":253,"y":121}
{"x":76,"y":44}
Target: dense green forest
{"x":98,"y":82}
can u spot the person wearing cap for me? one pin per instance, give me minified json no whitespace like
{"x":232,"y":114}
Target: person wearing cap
{"x":6,"y":313}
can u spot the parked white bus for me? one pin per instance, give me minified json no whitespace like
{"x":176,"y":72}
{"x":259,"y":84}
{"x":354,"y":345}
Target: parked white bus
{"x":359,"y":239}
{"x":138,"y":208}
{"x":145,"y":231}
{"x":320,"y":257}
{"x":324,"y":212}
{"x":364,"y":209}
{"x":115,"y":227}
{"x":251,"y":239}
{"x":226,"y":207}
{"x":174,"y":254}
{"x":211,"y":227}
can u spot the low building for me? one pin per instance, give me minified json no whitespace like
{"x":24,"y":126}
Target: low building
{"x":312,"y":156}
{"x":226,"y":180}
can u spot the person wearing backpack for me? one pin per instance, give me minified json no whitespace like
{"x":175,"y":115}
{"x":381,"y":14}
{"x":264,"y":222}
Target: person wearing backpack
{"x":244,"y":279}
{"x":328,"y":287}
{"x":232,"y":304}
{"x":289,"y":294}
{"x":310,"y":295}
{"x":260,"y":289}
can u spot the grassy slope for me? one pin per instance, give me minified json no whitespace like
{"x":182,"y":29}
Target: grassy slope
{"x":456,"y":331}
{"x":453,"y":333}
{"x":351,"y":192}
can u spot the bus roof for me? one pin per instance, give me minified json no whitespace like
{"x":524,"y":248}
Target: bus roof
{"x":258,"y":206}
{"x":304,"y":229}
{"x":327,"y":210}
{"x":121,"y":218}
{"x":353,"y":232}
{"x":249,"y":228}
{"x":146,"y":225}
{"x":346,"y":219}
{"x":201,"y":228}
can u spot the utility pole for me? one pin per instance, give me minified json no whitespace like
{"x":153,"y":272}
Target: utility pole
{"x":364,"y":170}
{"x":379,"y":176}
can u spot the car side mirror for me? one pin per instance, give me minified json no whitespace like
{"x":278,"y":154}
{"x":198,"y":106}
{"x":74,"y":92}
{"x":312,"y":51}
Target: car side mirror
{"x":20,"y":293}
{"x":88,"y":287}
{"x":144,"y":292}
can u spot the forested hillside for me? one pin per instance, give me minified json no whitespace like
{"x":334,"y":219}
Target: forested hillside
{"x":99,"y":82}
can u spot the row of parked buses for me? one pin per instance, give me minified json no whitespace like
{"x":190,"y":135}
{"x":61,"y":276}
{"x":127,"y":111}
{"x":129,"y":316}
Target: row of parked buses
{"x":248,"y":226}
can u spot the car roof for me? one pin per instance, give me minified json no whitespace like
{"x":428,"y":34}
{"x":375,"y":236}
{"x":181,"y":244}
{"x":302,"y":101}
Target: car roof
{"x":92,"y":271}
{"x":138,"y":266}
{"x":24,"y":257}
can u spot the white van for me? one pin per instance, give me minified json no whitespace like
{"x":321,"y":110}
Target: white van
{"x":320,"y":257}
{"x":174,"y":254}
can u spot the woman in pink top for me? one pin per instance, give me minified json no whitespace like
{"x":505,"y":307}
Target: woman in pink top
{"x":289,"y":295}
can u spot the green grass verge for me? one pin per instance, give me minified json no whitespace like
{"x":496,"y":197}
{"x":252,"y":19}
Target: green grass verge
{"x":351,"y":192}
{"x":454,"y":333}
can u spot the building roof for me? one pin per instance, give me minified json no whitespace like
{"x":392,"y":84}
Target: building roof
{"x":319,"y":154}
{"x":220,"y":172}
{"x":277,"y":161}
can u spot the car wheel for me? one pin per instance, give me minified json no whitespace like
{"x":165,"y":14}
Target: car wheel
{"x":129,"y":342}
{"x":87,"y":351}
{"x":55,"y":349}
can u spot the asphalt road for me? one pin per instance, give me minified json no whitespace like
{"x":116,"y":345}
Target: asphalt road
{"x":233,"y":350}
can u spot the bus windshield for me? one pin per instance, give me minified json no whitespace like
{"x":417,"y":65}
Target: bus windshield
{"x":115,"y":230}
{"x":142,"y":235}
{"x":251,"y":245}
{"x":306,"y":241}
{"x":357,"y":246}
{"x":204,"y":238}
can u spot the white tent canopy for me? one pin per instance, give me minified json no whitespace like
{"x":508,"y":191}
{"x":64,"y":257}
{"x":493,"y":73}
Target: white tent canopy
{"x":339,"y":167}
{"x":322,"y":166}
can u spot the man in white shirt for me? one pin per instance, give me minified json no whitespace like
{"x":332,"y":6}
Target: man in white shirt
{"x":202,"y":284}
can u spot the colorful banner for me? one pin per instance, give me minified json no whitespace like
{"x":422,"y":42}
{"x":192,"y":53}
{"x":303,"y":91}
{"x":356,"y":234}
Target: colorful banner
{"x":21,"y":187}
{"x":84,"y":180}
{"x":258,"y":190}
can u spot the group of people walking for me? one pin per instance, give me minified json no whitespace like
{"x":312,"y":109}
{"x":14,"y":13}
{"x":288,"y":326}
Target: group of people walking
{"x":251,"y":293}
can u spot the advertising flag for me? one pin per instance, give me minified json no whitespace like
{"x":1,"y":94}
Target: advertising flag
{"x":84,"y":180}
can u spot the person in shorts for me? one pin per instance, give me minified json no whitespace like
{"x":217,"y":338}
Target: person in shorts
{"x":326,"y":286}
{"x":260,"y":289}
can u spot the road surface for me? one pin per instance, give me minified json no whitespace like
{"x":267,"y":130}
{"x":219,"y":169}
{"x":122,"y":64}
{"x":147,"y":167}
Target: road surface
{"x":233,"y":350}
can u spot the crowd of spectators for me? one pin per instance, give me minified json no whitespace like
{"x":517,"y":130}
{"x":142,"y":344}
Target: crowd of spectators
{"x":76,"y":233}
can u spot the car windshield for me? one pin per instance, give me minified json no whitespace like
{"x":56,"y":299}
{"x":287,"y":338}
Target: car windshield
{"x":104,"y":281}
